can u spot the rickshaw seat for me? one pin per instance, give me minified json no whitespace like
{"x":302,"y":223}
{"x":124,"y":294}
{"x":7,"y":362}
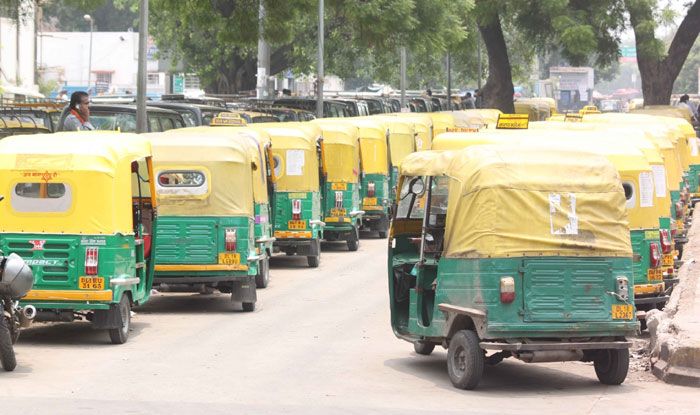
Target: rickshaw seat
{"x":147,"y":239}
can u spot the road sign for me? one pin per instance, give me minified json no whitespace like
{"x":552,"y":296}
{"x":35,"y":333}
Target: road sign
{"x":178,"y":84}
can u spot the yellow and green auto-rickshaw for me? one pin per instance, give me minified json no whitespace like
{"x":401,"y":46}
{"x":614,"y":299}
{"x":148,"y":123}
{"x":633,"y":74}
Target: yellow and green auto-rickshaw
{"x":442,"y":121}
{"x":78,"y":209}
{"x":297,"y":206}
{"x":489,"y":115}
{"x":422,"y":125}
{"x":207,"y":183}
{"x":341,"y":184}
{"x":541,"y":236}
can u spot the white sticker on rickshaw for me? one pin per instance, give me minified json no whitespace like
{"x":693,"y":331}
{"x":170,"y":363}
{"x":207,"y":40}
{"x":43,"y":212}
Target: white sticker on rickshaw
{"x":561,"y":221}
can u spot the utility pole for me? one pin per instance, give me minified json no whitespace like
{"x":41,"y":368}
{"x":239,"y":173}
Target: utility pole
{"x":263,"y":56}
{"x":141,"y":120}
{"x":449,"y":81}
{"x":320,"y":75}
{"x":478,"y":61}
{"x":89,"y":18}
{"x":403,"y":77}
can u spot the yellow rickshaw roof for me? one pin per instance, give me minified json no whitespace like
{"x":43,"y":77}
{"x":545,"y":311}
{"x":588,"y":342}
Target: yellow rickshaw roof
{"x":102,"y":151}
{"x":202,"y":148}
{"x":281,"y":134}
{"x":573,"y":202}
{"x":663,"y":110}
{"x":338,"y":133}
{"x":418,"y":118}
{"x":369,"y":128}
{"x":464,"y":119}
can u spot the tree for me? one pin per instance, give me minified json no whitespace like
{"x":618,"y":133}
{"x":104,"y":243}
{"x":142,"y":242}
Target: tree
{"x":109,"y":15}
{"x":687,"y":81}
{"x":498,"y":90}
{"x":658,"y":67}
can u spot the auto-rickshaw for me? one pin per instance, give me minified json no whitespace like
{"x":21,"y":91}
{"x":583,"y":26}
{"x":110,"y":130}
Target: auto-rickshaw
{"x":467,"y":272}
{"x":375,"y":166}
{"x":341,"y":193}
{"x":464,"y":120}
{"x":297,"y":206}
{"x":76,"y":209}
{"x":527,"y":108}
{"x":258,"y":144}
{"x":489,"y":115}
{"x":442,"y":121}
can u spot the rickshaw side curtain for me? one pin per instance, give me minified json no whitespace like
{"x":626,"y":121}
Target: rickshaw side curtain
{"x":342,"y":162}
{"x":374,"y":157}
{"x":401,"y":146}
{"x":296,"y":169}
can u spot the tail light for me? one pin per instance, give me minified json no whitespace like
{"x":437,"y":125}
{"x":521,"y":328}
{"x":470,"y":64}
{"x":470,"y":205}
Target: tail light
{"x":338,"y":200}
{"x":679,"y":210}
{"x":370,"y":189}
{"x":296,"y":209}
{"x":665,"y":241}
{"x":654,"y":255}
{"x":507,"y":290}
{"x":673,"y":232}
{"x":91,"y":260}
{"x":230,"y":239}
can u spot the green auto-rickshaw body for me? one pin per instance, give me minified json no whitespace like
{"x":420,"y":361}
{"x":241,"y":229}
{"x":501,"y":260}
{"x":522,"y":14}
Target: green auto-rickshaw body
{"x":78,"y":210}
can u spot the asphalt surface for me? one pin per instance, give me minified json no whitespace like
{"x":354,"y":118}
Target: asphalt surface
{"x":319,"y":342}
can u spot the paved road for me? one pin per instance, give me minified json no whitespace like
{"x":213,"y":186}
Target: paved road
{"x":319,"y":342}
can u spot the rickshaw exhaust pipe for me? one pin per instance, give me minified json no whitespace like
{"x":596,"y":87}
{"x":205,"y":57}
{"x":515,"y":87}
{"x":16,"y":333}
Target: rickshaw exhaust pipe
{"x":26,"y":316}
{"x":543,"y":356}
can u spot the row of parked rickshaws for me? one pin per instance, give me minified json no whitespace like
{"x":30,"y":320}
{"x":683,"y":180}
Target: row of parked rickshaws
{"x":544,"y":244}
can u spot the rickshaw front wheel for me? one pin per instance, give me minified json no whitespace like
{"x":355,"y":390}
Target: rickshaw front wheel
{"x":353,"y":245}
{"x":465,"y":360}
{"x":611,"y":365}
{"x":7,"y":353}
{"x":263,"y":276}
{"x":121,"y":335}
{"x":423,"y":348}
{"x":313,"y":261}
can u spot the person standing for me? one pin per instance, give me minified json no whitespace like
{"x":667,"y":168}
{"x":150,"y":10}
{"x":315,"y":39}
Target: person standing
{"x":685,"y":104}
{"x":468,"y":101}
{"x":78,"y":118}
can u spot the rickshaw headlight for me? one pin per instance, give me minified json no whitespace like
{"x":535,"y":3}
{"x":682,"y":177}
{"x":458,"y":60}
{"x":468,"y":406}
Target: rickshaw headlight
{"x":507,"y":290}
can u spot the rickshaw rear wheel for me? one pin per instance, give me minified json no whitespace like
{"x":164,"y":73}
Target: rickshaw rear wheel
{"x":353,"y":245}
{"x":423,"y":348}
{"x":611,"y":366}
{"x":121,"y":335}
{"x":248,"y":307}
{"x":383,"y":234}
{"x":465,"y":360}
{"x":263,"y":276}
{"x":313,"y":261}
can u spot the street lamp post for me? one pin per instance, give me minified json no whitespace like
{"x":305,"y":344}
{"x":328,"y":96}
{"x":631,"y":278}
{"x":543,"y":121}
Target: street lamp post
{"x":141,"y":120}
{"x":88,"y":18}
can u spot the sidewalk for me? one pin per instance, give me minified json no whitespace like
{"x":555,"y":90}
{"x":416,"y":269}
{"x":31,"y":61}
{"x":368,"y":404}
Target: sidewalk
{"x":675,"y":331}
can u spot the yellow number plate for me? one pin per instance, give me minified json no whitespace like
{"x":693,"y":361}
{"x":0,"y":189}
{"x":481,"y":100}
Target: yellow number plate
{"x":339,"y":186}
{"x":229,"y":258}
{"x":655,"y":274}
{"x":91,"y":283}
{"x":668,"y":260}
{"x":680,"y":225}
{"x":337,"y":212}
{"x":296,"y":224}
{"x":622,"y":312}
{"x":369,"y":201}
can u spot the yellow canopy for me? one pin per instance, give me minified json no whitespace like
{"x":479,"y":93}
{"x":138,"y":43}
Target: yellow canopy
{"x":294,"y":148}
{"x":206,"y":173}
{"x":372,"y":132}
{"x":469,"y":120}
{"x":442,"y":122}
{"x":490,"y":115}
{"x":402,"y":140}
{"x":664,"y":110}
{"x":523,"y":201}
{"x":527,"y":108}
{"x":422,"y":124}
{"x":89,"y":174}
{"x":341,"y":151}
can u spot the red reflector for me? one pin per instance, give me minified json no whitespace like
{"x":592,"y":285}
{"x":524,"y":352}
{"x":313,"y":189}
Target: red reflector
{"x":507,"y":286}
{"x":679,"y":210}
{"x":296,"y":209}
{"x":230,"y":239}
{"x":654,"y":255}
{"x":507,"y":297}
{"x":370,"y":189}
{"x":91,"y":260}
{"x":665,"y":241}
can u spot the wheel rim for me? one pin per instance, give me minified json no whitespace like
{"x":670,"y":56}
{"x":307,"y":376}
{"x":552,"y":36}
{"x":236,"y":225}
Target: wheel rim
{"x":459,"y":362}
{"x":124,"y":311}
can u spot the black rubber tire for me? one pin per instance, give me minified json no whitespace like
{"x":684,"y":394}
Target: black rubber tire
{"x":611,"y":366}
{"x":248,"y":307}
{"x":7,"y":353}
{"x":423,"y":348}
{"x":383,"y":234}
{"x":263,"y":277}
{"x":313,"y":261}
{"x":121,"y":335}
{"x":465,"y":360}
{"x":353,"y":245}
{"x":642,"y":324}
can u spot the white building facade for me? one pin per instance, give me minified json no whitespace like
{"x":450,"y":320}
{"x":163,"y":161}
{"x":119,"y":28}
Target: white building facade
{"x":17,"y":54}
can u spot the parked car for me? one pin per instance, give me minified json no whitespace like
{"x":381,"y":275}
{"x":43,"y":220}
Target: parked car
{"x":112,"y":117}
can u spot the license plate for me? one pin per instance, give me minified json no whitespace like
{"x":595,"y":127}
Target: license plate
{"x":229,"y":258}
{"x":337,"y":212}
{"x":622,"y":312}
{"x":296,"y":224}
{"x":91,"y":283}
{"x":655,"y":274}
{"x":369,"y":201}
{"x":680,"y":225}
{"x":668,"y":260}
{"x":339,"y":186}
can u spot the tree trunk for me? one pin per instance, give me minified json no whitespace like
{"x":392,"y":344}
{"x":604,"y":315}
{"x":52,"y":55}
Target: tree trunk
{"x":498,"y":90}
{"x":659,"y":72}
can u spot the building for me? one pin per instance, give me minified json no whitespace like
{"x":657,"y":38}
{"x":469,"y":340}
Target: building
{"x":65,"y":58}
{"x":17,"y":54}
{"x":575,"y":86}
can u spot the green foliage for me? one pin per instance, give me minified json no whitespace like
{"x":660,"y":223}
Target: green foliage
{"x":687,"y":81}
{"x":47,"y":87}
{"x":108,"y":15}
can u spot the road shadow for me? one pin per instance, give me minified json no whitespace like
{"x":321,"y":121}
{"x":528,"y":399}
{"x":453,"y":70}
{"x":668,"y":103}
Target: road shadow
{"x":370,"y":235}
{"x":289,"y":261}
{"x":190,"y":303}
{"x":508,"y":376}
{"x":80,"y":333}
{"x":334,"y":246}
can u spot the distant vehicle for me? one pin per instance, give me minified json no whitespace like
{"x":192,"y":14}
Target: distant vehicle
{"x":610,"y":105}
{"x":203,"y":100}
{"x":331,"y":108}
{"x":14,"y":125}
{"x":193,"y":114}
{"x":114,"y":117}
